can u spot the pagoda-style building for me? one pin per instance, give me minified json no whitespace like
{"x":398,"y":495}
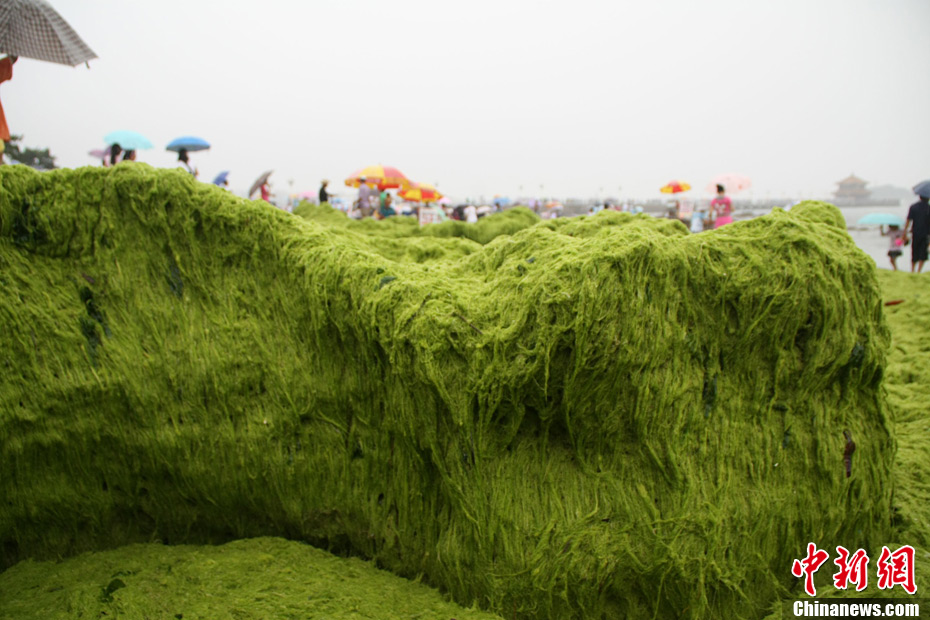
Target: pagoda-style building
{"x":852,"y":189}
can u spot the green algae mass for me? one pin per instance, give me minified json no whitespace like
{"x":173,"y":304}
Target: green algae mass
{"x":594,"y":417}
{"x":254,"y":579}
{"x":906,"y":381}
{"x":484,"y":231}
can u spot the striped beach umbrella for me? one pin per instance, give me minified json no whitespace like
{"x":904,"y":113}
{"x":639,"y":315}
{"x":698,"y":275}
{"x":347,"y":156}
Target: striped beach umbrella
{"x":675,"y":187}
{"x":420,"y":192}
{"x":384,"y":177}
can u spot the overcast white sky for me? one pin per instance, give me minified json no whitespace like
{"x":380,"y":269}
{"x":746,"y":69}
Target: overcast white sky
{"x":563,"y":99}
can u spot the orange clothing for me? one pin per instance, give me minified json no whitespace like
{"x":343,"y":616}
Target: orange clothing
{"x":6,"y":73}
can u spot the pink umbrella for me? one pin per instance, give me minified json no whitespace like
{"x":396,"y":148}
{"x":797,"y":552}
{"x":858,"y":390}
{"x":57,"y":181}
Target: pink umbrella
{"x":98,"y":153}
{"x":732,"y":183}
{"x":445,"y":200}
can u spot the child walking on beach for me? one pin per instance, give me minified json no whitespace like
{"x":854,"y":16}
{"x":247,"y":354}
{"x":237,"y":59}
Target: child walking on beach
{"x":895,"y":243}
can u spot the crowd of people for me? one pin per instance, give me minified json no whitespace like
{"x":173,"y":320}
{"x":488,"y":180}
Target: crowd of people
{"x":380,"y":204}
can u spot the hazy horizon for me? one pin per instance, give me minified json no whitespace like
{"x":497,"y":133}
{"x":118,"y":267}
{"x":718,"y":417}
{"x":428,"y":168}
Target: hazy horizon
{"x":514,"y":98}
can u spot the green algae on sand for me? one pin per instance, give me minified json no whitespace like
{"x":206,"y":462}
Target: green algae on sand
{"x":253,"y":579}
{"x":592,"y":418}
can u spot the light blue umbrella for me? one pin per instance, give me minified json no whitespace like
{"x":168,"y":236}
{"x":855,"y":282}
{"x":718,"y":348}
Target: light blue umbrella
{"x":881,"y":219}
{"x":922,"y":189}
{"x":128,"y":140}
{"x":188,"y":143}
{"x":221,"y":177}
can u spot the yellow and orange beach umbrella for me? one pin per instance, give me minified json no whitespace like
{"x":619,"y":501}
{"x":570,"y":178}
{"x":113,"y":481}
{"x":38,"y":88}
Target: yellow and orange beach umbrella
{"x":675,"y":187}
{"x":420,"y":192}
{"x":384,"y":177}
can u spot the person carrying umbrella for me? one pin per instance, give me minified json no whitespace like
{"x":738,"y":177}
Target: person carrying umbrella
{"x":187,"y":144}
{"x":721,"y":207}
{"x":115,"y":150}
{"x":186,"y":164}
{"x":6,"y":73}
{"x":918,"y":221}
{"x":33,"y":29}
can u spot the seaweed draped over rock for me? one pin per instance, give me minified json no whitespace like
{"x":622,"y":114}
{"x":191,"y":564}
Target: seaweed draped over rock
{"x":591,"y":417}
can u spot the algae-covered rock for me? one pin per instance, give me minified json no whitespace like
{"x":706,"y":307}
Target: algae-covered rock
{"x":252,"y":579}
{"x":595,"y":418}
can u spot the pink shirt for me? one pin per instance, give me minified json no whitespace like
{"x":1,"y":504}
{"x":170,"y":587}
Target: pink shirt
{"x":722,"y":205}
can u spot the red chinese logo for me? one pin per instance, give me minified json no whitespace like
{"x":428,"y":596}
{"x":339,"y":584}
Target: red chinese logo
{"x":808,"y":566}
{"x":851,"y":569}
{"x":897,"y":569}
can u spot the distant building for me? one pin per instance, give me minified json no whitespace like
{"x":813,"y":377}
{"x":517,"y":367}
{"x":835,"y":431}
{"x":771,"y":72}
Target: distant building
{"x":852,"y":189}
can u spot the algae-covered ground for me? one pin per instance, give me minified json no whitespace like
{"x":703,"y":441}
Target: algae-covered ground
{"x":256,"y":579}
{"x":595,"y":417}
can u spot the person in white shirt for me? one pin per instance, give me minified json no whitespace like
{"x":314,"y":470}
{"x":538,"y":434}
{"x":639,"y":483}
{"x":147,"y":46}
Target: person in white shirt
{"x":471,"y":214}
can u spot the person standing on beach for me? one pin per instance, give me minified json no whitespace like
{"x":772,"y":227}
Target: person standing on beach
{"x":896,"y":240}
{"x":364,"y":198}
{"x":185,"y":162}
{"x":918,"y":221}
{"x":324,"y":195}
{"x":721,"y":207}
{"x":115,"y":150}
{"x":6,"y":73}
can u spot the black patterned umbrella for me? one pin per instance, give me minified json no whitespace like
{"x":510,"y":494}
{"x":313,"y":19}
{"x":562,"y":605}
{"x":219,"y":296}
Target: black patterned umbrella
{"x":33,"y":29}
{"x":259,"y":182}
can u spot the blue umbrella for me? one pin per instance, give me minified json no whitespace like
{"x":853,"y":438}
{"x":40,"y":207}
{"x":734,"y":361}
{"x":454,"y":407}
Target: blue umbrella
{"x":188,"y":143}
{"x":501,"y":201}
{"x":883,"y":219}
{"x":128,"y":140}
{"x":221,"y":177}
{"x":922,"y":189}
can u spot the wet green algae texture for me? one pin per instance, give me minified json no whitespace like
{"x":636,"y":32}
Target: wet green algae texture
{"x":594,"y":417}
{"x":256,"y":579}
